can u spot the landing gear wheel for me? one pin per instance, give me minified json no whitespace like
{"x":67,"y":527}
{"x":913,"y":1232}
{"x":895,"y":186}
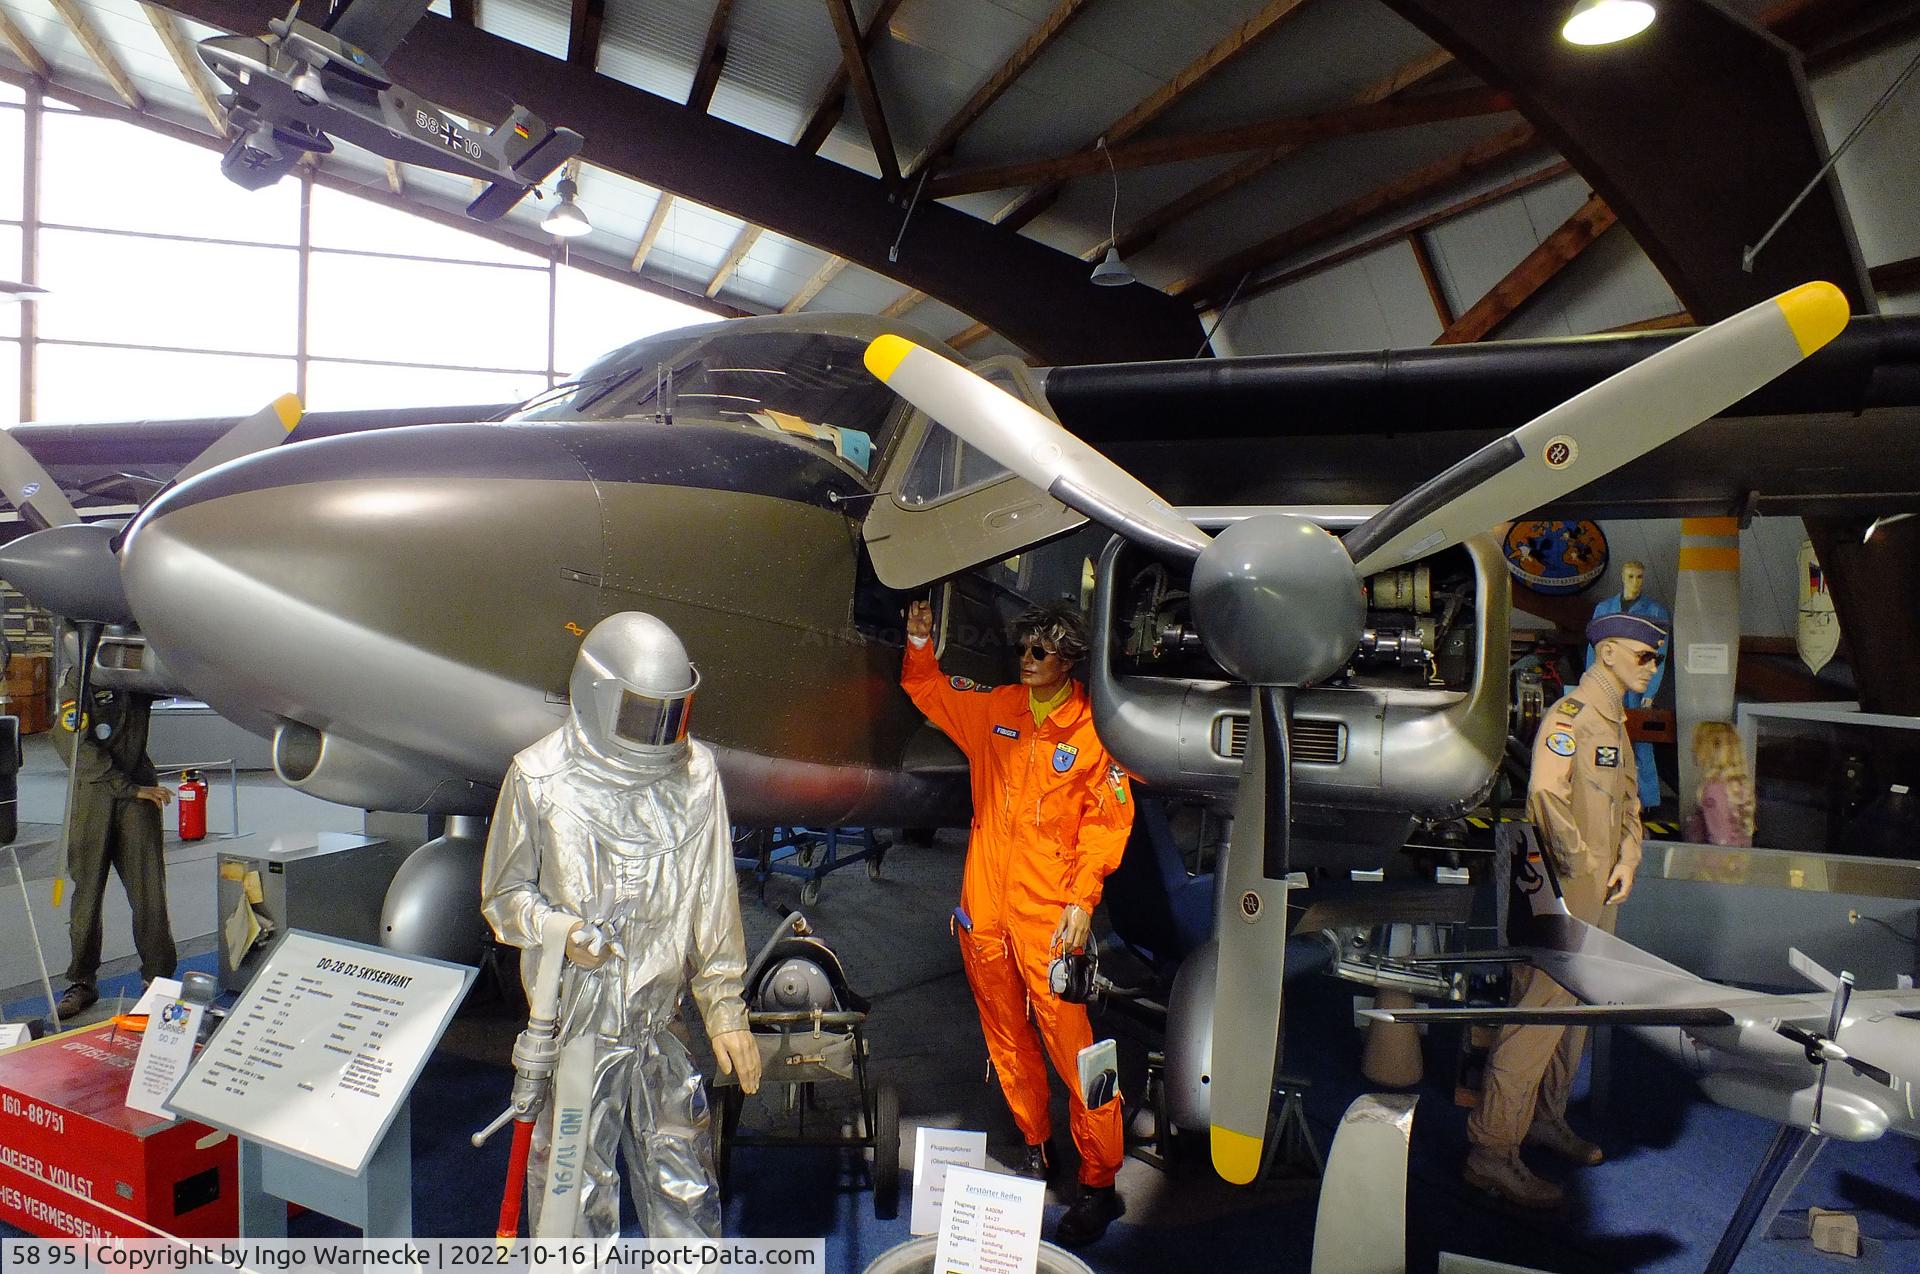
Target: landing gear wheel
{"x":886,"y":1152}
{"x":809,"y":892}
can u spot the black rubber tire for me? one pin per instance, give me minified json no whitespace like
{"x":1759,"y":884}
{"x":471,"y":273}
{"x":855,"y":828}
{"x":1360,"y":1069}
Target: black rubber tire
{"x":873,"y":864}
{"x":724,"y":1103}
{"x":886,"y":1152}
{"x":809,"y":892}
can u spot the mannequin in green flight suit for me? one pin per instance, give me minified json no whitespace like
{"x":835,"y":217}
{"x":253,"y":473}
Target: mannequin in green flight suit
{"x":116,"y":823}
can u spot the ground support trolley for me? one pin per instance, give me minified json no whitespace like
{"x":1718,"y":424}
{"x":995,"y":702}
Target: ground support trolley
{"x":810,"y":1027}
{"x":808,"y":854}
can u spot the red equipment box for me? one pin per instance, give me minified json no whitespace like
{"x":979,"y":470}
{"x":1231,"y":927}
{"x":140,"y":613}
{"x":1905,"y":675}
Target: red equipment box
{"x":68,"y":1138}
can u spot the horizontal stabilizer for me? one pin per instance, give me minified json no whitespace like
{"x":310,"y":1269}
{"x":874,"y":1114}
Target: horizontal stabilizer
{"x":1571,"y":1015}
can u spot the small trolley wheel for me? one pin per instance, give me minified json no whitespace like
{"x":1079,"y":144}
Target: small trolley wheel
{"x":809,"y":854}
{"x":724,"y":1102}
{"x":874,"y":860}
{"x":886,"y":1152}
{"x":809,"y":892}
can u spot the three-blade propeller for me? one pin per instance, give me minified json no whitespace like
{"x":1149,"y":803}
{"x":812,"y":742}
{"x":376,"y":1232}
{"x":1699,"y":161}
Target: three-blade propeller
{"x":1279,"y":602}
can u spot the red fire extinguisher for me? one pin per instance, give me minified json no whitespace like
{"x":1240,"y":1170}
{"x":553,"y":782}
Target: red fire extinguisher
{"x":193,"y":806}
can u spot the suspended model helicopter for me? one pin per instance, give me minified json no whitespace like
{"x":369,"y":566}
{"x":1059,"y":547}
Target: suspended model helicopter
{"x":292,"y":91}
{"x":1774,"y":1056}
{"x":398,"y":609}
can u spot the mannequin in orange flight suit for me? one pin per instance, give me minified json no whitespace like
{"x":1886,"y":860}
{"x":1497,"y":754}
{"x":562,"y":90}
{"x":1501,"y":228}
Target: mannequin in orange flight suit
{"x":1051,"y":814}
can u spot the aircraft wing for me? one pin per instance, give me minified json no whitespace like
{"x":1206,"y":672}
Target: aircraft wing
{"x":1572,"y":1015}
{"x":376,"y":26}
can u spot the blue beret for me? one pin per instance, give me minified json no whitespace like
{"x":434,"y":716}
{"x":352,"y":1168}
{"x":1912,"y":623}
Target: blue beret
{"x":1632,"y":627}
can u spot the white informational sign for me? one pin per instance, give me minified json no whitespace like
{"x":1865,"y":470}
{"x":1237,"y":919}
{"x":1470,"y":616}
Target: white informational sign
{"x":159,"y":991}
{"x":934,"y":1151}
{"x":322,"y":1047}
{"x":166,"y":1050}
{"x":1708,"y":659}
{"x":989,"y":1223}
{"x":14,"y":1034}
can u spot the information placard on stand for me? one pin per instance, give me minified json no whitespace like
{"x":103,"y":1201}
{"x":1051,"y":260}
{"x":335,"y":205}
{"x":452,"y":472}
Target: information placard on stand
{"x":322,"y":1048}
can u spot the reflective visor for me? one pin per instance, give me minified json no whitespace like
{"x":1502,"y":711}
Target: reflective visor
{"x":647,"y":720}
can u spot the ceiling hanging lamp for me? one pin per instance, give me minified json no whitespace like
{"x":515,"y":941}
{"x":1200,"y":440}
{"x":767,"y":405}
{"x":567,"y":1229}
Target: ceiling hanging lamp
{"x":1596,"y":22}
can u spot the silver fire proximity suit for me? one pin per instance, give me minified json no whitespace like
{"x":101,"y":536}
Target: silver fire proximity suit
{"x":632,"y":838}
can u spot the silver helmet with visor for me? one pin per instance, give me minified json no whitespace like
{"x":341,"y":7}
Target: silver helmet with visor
{"x":632,"y":686}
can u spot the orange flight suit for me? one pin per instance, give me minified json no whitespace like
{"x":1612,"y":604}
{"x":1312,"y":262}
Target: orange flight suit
{"x":1051,"y":814}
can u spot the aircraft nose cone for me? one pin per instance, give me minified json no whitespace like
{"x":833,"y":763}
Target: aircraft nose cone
{"x":70,"y":571}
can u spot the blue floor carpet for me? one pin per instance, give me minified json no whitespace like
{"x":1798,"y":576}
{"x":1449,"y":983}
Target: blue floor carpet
{"x":1676,"y":1167}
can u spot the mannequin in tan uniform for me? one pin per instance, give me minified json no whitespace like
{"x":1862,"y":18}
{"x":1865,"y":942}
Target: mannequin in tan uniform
{"x":1583,"y":797}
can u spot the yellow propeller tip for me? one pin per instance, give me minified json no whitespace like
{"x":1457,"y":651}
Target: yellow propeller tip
{"x":1815,"y":311}
{"x":886,"y":353}
{"x":287,"y":408}
{"x":1236,"y":1156}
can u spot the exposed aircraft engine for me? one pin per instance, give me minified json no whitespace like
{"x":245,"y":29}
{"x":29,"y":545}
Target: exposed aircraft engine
{"x":1413,"y":722}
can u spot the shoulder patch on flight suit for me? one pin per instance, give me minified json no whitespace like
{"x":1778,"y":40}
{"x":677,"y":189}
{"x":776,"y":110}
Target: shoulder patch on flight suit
{"x":1064,"y":756}
{"x":1607,"y":756}
{"x":1560,"y":743}
{"x":1006,"y":732}
{"x":961,"y":683}
{"x":1570,"y":706}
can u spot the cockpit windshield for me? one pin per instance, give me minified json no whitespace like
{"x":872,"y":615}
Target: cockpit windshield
{"x":808,"y":385}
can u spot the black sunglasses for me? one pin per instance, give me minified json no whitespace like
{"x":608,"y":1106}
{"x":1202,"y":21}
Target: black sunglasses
{"x":1645,"y":657}
{"x":1038,"y":653}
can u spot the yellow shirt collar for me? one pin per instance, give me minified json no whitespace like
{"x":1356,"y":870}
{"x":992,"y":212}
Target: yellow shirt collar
{"x":1041,"y":711}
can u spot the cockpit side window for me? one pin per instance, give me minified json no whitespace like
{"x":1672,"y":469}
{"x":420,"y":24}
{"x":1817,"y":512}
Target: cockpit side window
{"x":809,"y":387}
{"x":946,"y":466}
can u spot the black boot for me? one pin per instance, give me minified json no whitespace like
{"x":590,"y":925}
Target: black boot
{"x":75,"y":1000}
{"x":1089,"y":1216}
{"x":1034,"y":1164}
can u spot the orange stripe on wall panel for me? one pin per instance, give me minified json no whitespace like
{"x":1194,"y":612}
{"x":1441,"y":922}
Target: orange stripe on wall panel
{"x":1709,"y":559}
{"x":1709,"y":526}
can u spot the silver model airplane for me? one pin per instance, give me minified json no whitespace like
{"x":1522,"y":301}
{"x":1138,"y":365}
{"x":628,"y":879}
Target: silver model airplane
{"x":295,"y":89}
{"x":1838,"y":1064}
{"x":398,"y":609}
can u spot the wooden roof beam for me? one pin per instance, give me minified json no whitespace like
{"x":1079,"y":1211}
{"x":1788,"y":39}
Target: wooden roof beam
{"x":465,"y":12}
{"x":191,"y":68}
{"x":1212,"y":285}
{"x":22,"y":47}
{"x":1300,"y":130}
{"x":1555,"y":253}
{"x":1142,"y":232}
{"x":853,"y":54}
{"x":583,"y":32}
{"x":1034,"y":295}
{"x":713,"y":57}
{"x":100,"y":51}
{"x":652,"y":233}
{"x":1050,"y":29}
{"x":815,"y":284}
{"x":967,"y":336}
{"x":1162,"y":100}
{"x":742,"y":244}
{"x":902,"y":303}
{"x":1409,"y":231}
{"x":833,"y":102}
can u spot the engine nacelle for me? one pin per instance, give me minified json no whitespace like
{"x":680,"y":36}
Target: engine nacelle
{"x":1431,"y":751}
{"x":335,"y":768}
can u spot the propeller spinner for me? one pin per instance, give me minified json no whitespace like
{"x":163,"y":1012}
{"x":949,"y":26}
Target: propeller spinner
{"x":1279,"y":601}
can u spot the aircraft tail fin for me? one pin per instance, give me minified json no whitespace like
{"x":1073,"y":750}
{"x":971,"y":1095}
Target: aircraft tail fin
{"x":533,"y":151}
{"x":1808,"y":968}
{"x":1533,"y":887}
